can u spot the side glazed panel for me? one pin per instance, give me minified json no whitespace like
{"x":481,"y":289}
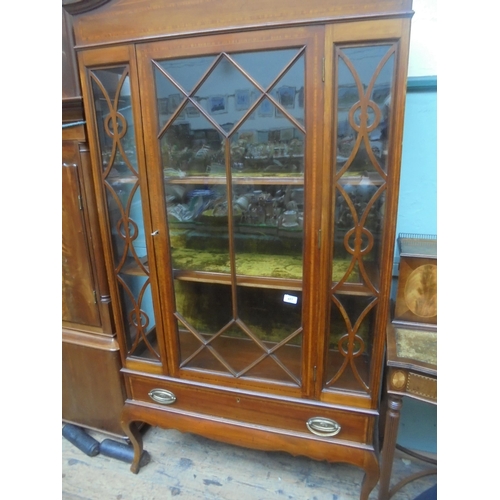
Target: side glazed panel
{"x":122,"y":186}
{"x":363,"y":88}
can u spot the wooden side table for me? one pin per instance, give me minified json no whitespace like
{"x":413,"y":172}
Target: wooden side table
{"x":412,"y":372}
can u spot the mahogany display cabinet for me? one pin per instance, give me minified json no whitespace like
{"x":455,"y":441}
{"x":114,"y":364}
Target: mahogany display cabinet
{"x":246,"y":169}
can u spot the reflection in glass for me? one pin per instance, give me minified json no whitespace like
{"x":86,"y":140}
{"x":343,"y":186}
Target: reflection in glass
{"x":186,"y":72}
{"x":289,"y":91}
{"x":206,"y":307}
{"x":363,"y":92}
{"x":168,"y":97}
{"x":364,"y":79}
{"x":265,"y":67}
{"x":359,"y":213}
{"x":263,"y":342}
{"x":350,"y":342}
{"x":267,"y":144}
{"x":226,"y":104}
{"x":192,"y":146}
{"x":112,"y":103}
{"x":198,"y":227}
{"x":232,"y":150}
{"x":268,"y":230}
{"x":115,"y":128}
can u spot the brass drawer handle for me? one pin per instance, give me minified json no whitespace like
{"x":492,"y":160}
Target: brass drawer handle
{"x":162,"y":396}
{"x":322,"y":426}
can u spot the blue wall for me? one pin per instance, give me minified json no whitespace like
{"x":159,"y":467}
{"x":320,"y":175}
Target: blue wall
{"x":417,"y":213}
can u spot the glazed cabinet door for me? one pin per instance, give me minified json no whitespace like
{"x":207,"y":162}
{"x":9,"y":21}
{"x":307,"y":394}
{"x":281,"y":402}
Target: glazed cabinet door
{"x":365,"y":66}
{"x":232,"y":152}
{"x":109,"y":80}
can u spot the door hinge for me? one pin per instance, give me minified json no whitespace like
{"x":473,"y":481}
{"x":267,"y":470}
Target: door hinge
{"x":314,"y":374}
{"x":95,"y":296}
{"x":80,"y":203}
{"x":323,"y":71}
{"x":319,"y":239}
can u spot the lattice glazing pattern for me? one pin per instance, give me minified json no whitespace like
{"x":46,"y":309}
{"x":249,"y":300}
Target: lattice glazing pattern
{"x":231,"y":134}
{"x":364,"y":80}
{"x":120,"y":175}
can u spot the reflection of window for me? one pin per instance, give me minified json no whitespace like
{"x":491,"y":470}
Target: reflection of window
{"x":217,"y":104}
{"x":286,"y":97}
{"x":241,"y":99}
{"x":274,"y":135}
{"x":191,"y":111}
{"x":249,"y":136}
{"x":300,"y":99}
{"x":163,"y":105}
{"x":173,"y":102}
{"x":265,"y":108}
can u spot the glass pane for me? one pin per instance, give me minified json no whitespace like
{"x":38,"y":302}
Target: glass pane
{"x":364,"y":79}
{"x":264,"y":342}
{"x":364,"y":82}
{"x":115,"y":125}
{"x":267,"y":145}
{"x":236,"y":220}
{"x":268,"y":230}
{"x":198,"y":226}
{"x":226,"y":94}
{"x":191,"y":146}
{"x":137,"y":304}
{"x":273,"y":317}
{"x":206,"y":307}
{"x":359,"y":213}
{"x":289,"y":91}
{"x":115,"y":128}
{"x":363,"y":95}
{"x":350,"y":342}
{"x":274,"y":62}
{"x":186,"y":72}
{"x":168,"y":97}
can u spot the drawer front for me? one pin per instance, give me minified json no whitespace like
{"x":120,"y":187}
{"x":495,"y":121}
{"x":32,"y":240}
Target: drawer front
{"x":274,"y":412}
{"x":418,"y":385}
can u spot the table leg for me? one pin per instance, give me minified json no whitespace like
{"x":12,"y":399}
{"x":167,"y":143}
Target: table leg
{"x":394,"y":405}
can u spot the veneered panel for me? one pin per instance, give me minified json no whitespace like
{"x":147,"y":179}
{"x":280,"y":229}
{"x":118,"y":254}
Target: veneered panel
{"x":78,"y":302}
{"x":130,"y":20}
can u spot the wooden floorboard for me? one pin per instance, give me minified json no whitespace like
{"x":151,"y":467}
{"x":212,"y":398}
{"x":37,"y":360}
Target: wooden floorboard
{"x":191,"y":467}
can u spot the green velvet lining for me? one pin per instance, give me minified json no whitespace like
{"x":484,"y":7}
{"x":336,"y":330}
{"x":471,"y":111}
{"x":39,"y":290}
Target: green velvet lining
{"x":419,"y":345}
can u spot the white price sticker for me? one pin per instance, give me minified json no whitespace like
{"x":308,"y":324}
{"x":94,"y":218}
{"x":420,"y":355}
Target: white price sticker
{"x":291,"y":299}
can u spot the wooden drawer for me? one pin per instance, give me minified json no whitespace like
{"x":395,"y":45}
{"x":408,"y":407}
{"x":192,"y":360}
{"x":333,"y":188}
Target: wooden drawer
{"x":254,"y":409}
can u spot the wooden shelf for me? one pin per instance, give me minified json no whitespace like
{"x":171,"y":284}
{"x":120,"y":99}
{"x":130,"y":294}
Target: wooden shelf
{"x":132,"y":268}
{"x":291,"y":282}
{"x":240,"y":353}
{"x":142,"y":351}
{"x":270,"y":179}
{"x":357,"y":180}
{"x":115,"y":180}
{"x":241,"y":280}
{"x":247,"y":264}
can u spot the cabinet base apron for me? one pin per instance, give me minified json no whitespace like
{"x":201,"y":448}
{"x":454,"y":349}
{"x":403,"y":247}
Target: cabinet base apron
{"x":250,"y":436}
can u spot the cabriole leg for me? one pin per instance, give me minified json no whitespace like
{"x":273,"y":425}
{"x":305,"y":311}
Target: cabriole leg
{"x":372,"y":474}
{"x":132,"y":431}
